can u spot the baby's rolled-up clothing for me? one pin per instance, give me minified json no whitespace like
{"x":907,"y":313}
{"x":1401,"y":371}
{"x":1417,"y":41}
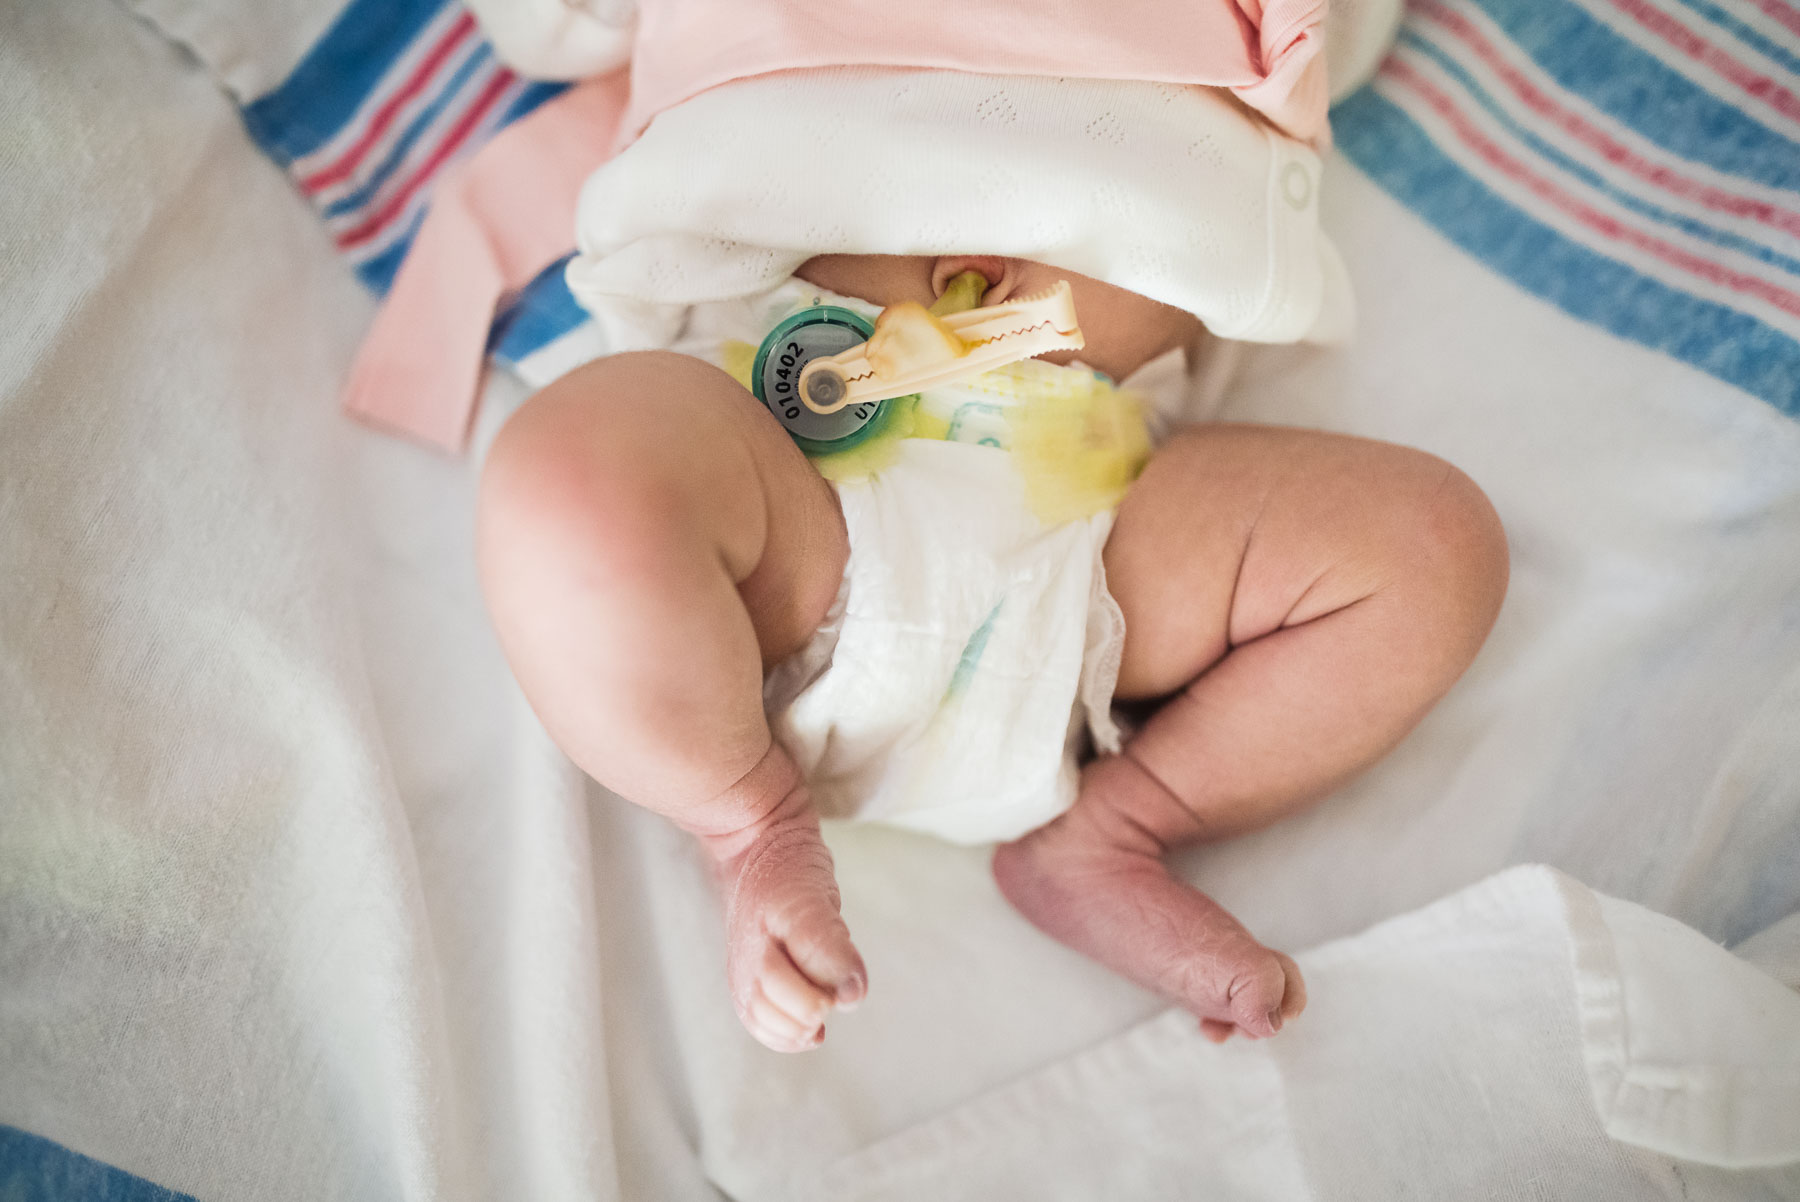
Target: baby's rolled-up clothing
{"x":1175,"y":193}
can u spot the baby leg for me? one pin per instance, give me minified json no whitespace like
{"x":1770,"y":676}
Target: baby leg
{"x":1302,"y":600}
{"x":649,"y":540}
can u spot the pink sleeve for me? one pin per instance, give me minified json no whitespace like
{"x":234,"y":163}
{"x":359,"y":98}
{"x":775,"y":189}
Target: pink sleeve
{"x":1293,"y":92}
{"x":495,"y":221}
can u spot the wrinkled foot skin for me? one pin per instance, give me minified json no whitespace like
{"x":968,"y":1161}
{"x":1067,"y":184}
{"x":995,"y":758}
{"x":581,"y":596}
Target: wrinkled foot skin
{"x":789,"y":958}
{"x":1095,"y":880}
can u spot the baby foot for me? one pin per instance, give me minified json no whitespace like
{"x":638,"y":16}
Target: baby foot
{"x":1095,"y":880}
{"x":789,"y":958}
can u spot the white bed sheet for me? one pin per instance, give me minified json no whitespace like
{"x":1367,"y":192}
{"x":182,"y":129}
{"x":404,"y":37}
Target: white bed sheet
{"x":296,"y":901}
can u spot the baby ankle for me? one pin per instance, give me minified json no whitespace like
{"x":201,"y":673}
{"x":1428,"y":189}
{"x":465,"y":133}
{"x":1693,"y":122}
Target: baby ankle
{"x":770,"y":795}
{"x":1135,"y":800}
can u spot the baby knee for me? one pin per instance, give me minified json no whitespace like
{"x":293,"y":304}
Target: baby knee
{"x":616,"y":451}
{"x":591,"y":427}
{"x":1455,"y":546}
{"x":1469,"y":526}
{"x":541,"y":482}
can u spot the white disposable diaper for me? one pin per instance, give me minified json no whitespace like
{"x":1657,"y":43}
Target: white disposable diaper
{"x":969,"y":649}
{"x":972,"y":648}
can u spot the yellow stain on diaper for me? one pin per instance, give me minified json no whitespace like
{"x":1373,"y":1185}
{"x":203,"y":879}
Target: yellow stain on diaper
{"x":739,"y":360}
{"x":1077,"y":440}
{"x":930,"y":425}
{"x":896,"y":420}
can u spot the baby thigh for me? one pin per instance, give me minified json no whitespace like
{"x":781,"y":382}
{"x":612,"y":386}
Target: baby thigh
{"x":1300,"y":600}
{"x":649,"y":540}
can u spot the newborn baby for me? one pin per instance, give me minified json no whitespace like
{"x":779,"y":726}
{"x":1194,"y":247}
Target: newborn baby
{"x":713,"y":629}
{"x":653,"y":545}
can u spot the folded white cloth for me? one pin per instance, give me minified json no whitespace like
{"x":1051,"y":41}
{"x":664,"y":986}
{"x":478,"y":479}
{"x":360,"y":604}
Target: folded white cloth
{"x":1444,"y":1048}
{"x":1689,"y":1050}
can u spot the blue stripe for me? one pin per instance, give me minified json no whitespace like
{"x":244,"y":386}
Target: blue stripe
{"x":1743,"y":33}
{"x":378,"y":273}
{"x":1387,"y":145}
{"x":1411,"y":37}
{"x":544,"y":312}
{"x":534,"y":94}
{"x":33,"y":1169}
{"x":1644,"y":94}
{"x":337,"y":74}
{"x":972,"y":652}
{"x":364,"y":194}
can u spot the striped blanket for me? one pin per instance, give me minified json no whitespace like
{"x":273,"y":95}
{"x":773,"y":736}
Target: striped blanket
{"x":395,"y":92}
{"x":1633,"y":162}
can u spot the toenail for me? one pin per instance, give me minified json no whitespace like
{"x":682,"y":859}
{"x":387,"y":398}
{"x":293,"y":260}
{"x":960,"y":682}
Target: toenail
{"x":1275,"y":1018}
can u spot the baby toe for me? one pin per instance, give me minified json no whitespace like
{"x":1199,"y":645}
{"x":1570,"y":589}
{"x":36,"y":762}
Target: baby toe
{"x":1293,"y":1000}
{"x":821,"y":949}
{"x":774,"y":1027}
{"x":787,"y":988}
{"x":1257,"y":994}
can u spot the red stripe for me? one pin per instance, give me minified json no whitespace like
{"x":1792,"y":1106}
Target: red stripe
{"x":1781,"y":12}
{"x":384,"y":116}
{"x":1690,"y":44}
{"x":1398,"y":70}
{"x":502,"y":80}
{"x":1613,"y":151}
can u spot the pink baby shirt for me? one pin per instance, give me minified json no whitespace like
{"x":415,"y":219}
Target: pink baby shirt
{"x":1268,"y":55}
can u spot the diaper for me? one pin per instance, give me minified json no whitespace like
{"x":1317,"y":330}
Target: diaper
{"x":973,"y":648}
{"x":969,"y":652}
